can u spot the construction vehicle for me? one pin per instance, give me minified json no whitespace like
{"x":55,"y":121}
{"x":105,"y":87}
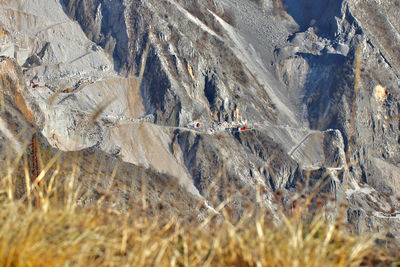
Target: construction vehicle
{"x":34,"y":85}
{"x":240,"y":129}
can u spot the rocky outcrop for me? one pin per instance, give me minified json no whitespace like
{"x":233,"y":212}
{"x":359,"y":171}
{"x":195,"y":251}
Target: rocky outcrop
{"x":98,"y":176}
{"x":166,"y":84}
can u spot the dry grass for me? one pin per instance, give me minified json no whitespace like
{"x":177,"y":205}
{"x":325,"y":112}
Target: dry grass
{"x":44,"y":226}
{"x":93,"y":237}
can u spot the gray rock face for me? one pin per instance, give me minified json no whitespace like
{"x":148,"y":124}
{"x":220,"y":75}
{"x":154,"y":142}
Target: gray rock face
{"x":167,"y":85}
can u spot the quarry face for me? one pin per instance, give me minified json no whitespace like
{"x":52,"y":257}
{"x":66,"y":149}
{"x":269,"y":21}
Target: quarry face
{"x":227,"y":93}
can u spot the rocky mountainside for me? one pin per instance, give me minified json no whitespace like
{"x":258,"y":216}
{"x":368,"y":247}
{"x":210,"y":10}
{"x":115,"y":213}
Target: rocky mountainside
{"x":167,"y":86}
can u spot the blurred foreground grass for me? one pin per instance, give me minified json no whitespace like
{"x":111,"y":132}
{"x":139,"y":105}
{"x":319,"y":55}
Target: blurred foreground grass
{"x":42,"y":225}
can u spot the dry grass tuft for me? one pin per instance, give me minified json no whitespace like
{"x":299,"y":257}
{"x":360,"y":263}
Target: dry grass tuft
{"x":102,"y":237}
{"x":44,"y":226}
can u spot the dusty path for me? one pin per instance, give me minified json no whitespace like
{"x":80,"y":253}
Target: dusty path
{"x":301,"y":142}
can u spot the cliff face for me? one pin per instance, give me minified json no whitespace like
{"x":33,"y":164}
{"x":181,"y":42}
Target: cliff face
{"x":165,"y":84}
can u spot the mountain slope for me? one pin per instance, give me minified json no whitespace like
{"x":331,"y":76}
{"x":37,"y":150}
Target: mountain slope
{"x":165,"y":84}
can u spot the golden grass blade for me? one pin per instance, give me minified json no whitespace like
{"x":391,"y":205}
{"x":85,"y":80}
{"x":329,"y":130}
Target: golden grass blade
{"x":47,"y":168}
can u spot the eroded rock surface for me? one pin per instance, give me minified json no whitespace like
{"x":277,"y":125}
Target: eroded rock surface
{"x":167,"y":85}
